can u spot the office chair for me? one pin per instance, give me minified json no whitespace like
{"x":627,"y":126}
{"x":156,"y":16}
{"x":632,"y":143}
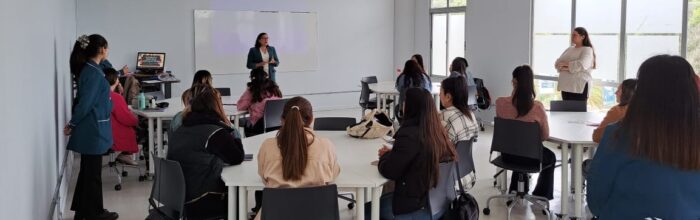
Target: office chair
{"x":311,"y":203}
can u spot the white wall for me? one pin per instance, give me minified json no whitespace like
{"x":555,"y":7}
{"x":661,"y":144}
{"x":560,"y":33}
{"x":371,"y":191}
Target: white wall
{"x":34,"y":50}
{"x":354,"y":40}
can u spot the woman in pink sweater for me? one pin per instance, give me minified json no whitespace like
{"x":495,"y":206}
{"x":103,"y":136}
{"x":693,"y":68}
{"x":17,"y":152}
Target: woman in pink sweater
{"x":521,"y":105}
{"x":260,"y":89}
{"x":123,"y":121}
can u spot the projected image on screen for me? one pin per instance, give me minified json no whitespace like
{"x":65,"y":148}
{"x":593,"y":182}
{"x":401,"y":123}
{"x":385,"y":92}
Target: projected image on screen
{"x":150,"y":61}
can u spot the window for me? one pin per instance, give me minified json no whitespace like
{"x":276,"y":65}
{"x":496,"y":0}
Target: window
{"x":623,"y":34}
{"x":447,"y":34}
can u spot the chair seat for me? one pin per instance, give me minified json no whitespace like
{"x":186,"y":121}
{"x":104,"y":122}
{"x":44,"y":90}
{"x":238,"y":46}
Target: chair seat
{"x":518,"y":167}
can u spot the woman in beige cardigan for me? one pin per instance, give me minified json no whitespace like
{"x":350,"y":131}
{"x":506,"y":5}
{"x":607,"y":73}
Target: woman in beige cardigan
{"x":297,"y":157}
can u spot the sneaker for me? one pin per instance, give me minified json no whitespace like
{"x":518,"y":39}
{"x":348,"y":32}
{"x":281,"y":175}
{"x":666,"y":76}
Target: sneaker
{"x":126,"y":159}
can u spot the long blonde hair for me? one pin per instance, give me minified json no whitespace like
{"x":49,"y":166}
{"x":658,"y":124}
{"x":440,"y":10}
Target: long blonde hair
{"x":207,"y":100}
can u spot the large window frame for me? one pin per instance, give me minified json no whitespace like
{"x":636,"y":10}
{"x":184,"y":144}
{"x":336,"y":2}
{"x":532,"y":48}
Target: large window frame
{"x":447,"y":10}
{"x":623,"y":35}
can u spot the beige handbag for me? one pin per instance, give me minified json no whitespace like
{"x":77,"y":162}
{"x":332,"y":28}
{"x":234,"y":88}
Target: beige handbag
{"x":373,"y":125}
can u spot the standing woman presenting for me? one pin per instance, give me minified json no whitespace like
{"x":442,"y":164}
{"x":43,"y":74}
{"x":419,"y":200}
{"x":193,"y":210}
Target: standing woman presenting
{"x":90,"y":128}
{"x":575,"y":66}
{"x":263,"y":55}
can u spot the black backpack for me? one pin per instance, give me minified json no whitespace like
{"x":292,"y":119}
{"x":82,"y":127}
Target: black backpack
{"x":464,"y":207}
{"x":483,"y":98}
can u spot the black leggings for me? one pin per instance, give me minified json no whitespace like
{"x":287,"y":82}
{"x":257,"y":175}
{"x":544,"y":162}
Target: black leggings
{"x":87,"y":198}
{"x":545,"y":182}
{"x":576,"y":96}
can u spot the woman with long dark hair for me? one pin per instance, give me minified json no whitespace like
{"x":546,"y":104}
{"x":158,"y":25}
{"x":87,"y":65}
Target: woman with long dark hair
{"x":420,"y":145}
{"x":623,"y":95}
{"x":90,"y":128}
{"x":459,"y":68}
{"x":264,"y":56}
{"x":297,"y":157}
{"x":575,"y":66}
{"x":521,"y":105}
{"x":648,"y":164}
{"x":204,"y":145}
{"x":412,"y":76}
{"x":260,"y":89}
{"x":459,"y":120}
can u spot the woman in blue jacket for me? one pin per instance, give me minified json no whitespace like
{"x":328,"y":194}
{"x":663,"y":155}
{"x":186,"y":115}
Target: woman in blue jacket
{"x":648,"y":165}
{"x":90,"y":129}
{"x":263,"y":55}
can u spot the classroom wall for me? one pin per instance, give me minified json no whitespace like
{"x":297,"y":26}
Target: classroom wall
{"x":355,"y":40}
{"x":34,"y":48}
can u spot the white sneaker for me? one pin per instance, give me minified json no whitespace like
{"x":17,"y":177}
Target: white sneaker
{"x":126,"y":159}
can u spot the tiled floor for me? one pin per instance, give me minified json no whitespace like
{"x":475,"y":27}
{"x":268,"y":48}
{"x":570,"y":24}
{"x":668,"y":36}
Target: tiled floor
{"x":131,"y":201}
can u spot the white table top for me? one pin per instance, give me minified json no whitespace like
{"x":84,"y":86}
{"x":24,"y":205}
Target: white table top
{"x":354,"y":157}
{"x":175,"y":105}
{"x":573,"y":127}
{"x":389,"y":87}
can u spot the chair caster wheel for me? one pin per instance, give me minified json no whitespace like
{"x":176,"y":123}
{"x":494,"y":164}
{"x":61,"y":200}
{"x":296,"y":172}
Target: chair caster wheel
{"x":125,"y":174}
{"x":487,"y":211}
{"x":118,"y":187}
{"x":351,"y":205}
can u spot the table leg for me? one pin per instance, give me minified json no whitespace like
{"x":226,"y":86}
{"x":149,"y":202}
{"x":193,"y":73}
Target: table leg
{"x":359,"y":205}
{"x":159,"y":137}
{"x":151,"y":169}
{"x":578,"y":180}
{"x":232,"y":206}
{"x":376,"y":196}
{"x":236,"y":123}
{"x":379,"y":100}
{"x":391,"y":107}
{"x":564,"y":180}
{"x":242,"y":203}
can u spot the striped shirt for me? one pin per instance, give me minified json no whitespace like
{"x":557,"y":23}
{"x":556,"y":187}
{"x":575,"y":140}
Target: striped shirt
{"x":459,"y":127}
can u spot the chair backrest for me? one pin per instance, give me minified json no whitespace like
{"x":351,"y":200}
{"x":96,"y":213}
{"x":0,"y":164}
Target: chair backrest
{"x":273,"y":113}
{"x":517,"y":138}
{"x":466,"y":160}
{"x":369,"y":79}
{"x":567,"y":106}
{"x":333,"y":123}
{"x":444,"y":192}
{"x":312,"y":203}
{"x":364,"y":93}
{"x":168,"y":187}
{"x":224,"y":91}
{"x":471,"y":90}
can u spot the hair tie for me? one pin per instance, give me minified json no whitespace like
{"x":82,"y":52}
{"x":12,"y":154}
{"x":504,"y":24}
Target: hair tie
{"x":84,"y":41}
{"x":296,"y":107}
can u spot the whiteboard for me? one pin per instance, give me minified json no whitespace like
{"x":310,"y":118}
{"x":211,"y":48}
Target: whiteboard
{"x":223,"y":39}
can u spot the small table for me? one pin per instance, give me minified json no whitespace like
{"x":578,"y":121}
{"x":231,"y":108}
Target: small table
{"x":356,"y":173}
{"x":573,"y":129}
{"x":174,"y":106}
{"x":386,"y":90}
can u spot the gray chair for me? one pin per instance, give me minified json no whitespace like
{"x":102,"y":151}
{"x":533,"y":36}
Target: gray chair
{"x":273,"y":114}
{"x":523,"y":139}
{"x":444,"y":192}
{"x":365,"y":101}
{"x":312,"y":203}
{"x":168,"y":190}
{"x":466,"y":159}
{"x":224,"y":91}
{"x":333,"y":123}
{"x":568,"y":106}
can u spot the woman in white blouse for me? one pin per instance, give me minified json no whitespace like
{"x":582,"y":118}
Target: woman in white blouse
{"x":575,"y":66}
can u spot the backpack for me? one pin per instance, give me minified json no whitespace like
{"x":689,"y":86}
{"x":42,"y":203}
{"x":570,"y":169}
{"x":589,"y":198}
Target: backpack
{"x":483,"y":98}
{"x":464,"y":207}
{"x":373,"y":125}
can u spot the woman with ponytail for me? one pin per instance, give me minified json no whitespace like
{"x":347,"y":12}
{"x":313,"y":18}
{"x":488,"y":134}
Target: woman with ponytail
{"x":297,"y":157}
{"x":90,"y":128}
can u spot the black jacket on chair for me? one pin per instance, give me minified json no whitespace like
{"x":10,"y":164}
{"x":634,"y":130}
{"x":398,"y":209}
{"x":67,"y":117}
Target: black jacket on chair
{"x":407,"y":164}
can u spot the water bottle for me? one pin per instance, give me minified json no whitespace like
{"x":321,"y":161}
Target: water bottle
{"x":142,"y":101}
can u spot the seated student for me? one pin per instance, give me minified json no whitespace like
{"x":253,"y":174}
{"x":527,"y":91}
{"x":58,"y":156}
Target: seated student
{"x":123,"y":121}
{"x":260,"y":89}
{"x":201,"y":77}
{"x":521,"y":105}
{"x":647,"y":166}
{"x":411,"y":76}
{"x":458,"y":67}
{"x":297,"y":157}
{"x":458,"y":119}
{"x":204,"y":145}
{"x":623,"y":95}
{"x":420,"y":145}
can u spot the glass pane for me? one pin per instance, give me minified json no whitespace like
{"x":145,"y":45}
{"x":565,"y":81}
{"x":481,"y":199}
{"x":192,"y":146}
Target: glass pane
{"x":607,"y":52}
{"x":552,"y":27}
{"x":641,"y":47}
{"x":654,"y":16}
{"x":546,"y":91}
{"x":455,"y":42}
{"x":457,"y":3}
{"x":552,"y":16}
{"x":604,"y":33}
{"x":439,"y":45}
{"x":693,"y":55}
{"x":438,"y":4}
{"x":546,"y":50}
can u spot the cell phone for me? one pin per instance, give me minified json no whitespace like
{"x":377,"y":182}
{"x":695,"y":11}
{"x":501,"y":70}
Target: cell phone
{"x":247,"y":157}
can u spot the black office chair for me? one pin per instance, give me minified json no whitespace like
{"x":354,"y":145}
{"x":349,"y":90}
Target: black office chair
{"x":333,"y":123}
{"x":273,"y":114}
{"x":312,"y":203}
{"x":442,"y":195}
{"x":168,"y":189}
{"x":523,"y":139}
{"x":567,"y":106}
{"x":466,"y":160}
{"x":224,"y":91}
{"x":365,"y":101}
